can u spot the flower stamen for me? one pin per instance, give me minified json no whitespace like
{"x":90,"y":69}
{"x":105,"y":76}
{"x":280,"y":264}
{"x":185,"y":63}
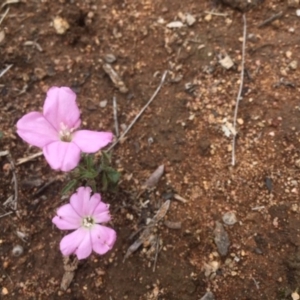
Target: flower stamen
{"x":65,"y":134}
{"x":88,"y":222}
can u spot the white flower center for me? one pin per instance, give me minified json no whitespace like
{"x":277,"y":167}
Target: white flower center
{"x":65,"y":134}
{"x":88,"y":222}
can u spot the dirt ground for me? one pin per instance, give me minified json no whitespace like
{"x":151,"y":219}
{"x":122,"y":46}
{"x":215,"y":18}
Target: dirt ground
{"x":186,"y":128}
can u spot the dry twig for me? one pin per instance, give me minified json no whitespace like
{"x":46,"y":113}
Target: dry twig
{"x":26,"y":159}
{"x":141,"y":112}
{"x":240,"y":90}
{"x":10,"y":2}
{"x":6,"y":214}
{"x":12,"y":200}
{"x":4,"y":15}
{"x":216,"y":13}
{"x":147,"y":236}
{"x":34,"y":44}
{"x":156,"y":253}
{"x":271,"y":19}
{"x":115,"y":78}
{"x":116,"y":115}
{"x":5,"y":70}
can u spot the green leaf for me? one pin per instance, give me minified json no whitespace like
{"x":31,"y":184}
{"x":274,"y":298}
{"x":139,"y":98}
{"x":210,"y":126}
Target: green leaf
{"x":89,"y":162}
{"x":92,"y":184}
{"x":104,"y":182}
{"x":69,"y":186}
{"x":113,"y":176}
{"x":89,"y":174}
{"x":105,"y":158}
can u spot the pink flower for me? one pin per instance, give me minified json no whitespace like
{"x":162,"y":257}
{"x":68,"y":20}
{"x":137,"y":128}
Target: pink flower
{"x":55,"y":132}
{"x":83,"y":214}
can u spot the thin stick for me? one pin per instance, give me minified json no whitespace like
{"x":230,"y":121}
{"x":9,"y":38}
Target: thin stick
{"x":216,"y":13}
{"x":240,"y":90}
{"x":156,"y":253}
{"x":44,"y":187}
{"x":8,"y":213}
{"x":270,"y":20}
{"x":12,"y":199}
{"x":116,"y":116}
{"x":5,"y":70}
{"x":4,"y":15}
{"x":141,"y":112}
{"x":10,"y":2}
{"x":26,"y":159}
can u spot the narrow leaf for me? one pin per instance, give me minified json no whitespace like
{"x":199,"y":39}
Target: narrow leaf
{"x":70,"y":185}
{"x":104,"y":182}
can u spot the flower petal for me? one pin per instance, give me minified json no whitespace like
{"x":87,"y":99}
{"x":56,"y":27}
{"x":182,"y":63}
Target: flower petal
{"x":60,"y":108}
{"x":62,"y":156}
{"x":80,"y":200}
{"x":36,"y":130}
{"x":91,"y":141}
{"x":78,"y":242}
{"x":101,"y":213}
{"x":67,"y":218}
{"x":103,"y":238}
{"x":92,"y":204}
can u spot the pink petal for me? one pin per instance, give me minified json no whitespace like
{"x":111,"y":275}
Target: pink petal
{"x":79,"y":199}
{"x":67,"y":218}
{"x":101,"y":213}
{"x":78,"y":242}
{"x":92,"y":204}
{"x":103,"y":238}
{"x":36,"y":130}
{"x":62,"y":156}
{"x":60,"y":108}
{"x":91,"y":141}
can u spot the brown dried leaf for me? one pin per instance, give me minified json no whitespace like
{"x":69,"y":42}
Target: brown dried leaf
{"x":146,"y":235}
{"x":154,"y":177}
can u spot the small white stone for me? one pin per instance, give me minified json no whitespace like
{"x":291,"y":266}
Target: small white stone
{"x":226,"y":62}
{"x":103,"y":103}
{"x":190,"y":20}
{"x":17,"y":250}
{"x":208,"y":18}
{"x":288,"y":54}
{"x":175,"y":24}
{"x":298,"y":12}
{"x":229,"y":218}
{"x":291,"y":29}
{"x":60,"y":25}
{"x":295,"y":296}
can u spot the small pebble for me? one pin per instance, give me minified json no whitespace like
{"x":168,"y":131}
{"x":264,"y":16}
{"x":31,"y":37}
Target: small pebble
{"x":208,"y":18}
{"x":60,"y":25}
{"x":229,"y":218}
{"x":221,"y":239}
{"x":288,"y":54}
{"x":297,"y":163}
{"x":240,"y":121}
{"x":90,"y":15}
{"x":295,"y":296}
{"x":190,"y":20}
{"x":4,"y":291}
{"x":293,"y":65}
{"x":17,"y":250}
{"x":208,"y":296}
{"x":110,"y":58}
{"x":103,"y":103}
{"x":175,"y":24}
